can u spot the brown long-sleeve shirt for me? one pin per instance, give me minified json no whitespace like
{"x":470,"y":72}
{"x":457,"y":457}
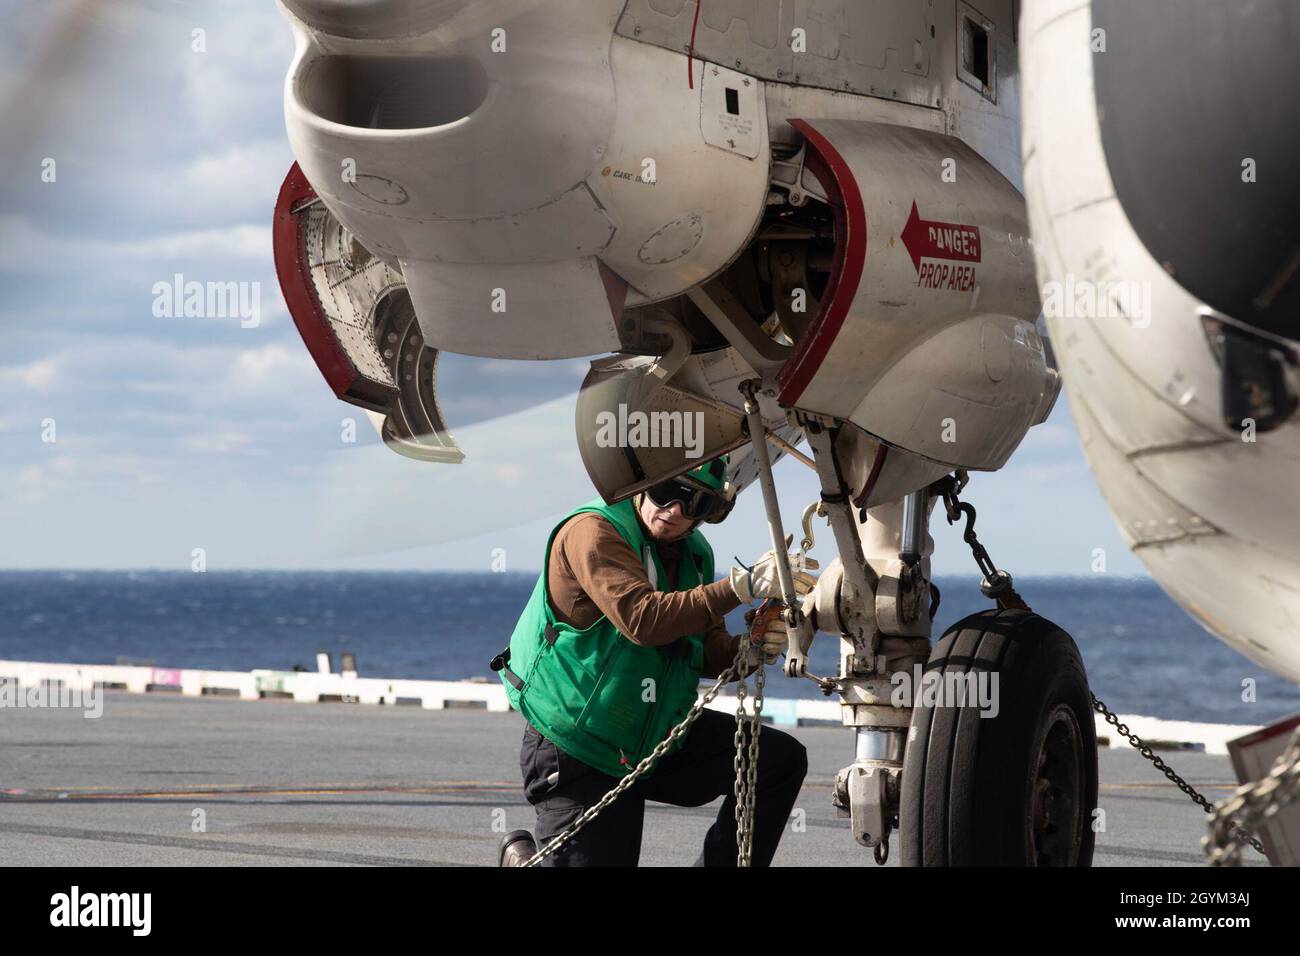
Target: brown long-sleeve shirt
{"x":593,"y":571}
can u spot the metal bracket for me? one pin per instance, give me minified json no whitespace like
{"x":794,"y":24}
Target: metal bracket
{"x":790,"y":175}
{"x":729,"y":317}
{"x":858,"y":581}
{"x":863,"y":794}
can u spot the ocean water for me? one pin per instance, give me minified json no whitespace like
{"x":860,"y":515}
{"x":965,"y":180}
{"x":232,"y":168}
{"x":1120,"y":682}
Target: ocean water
{"x":1143,"y":653}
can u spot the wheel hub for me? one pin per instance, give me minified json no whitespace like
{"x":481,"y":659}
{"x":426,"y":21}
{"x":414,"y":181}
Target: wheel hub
{"x":1056,"y":795}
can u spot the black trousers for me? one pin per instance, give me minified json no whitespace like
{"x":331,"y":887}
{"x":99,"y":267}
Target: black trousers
{"x":560,"y":787}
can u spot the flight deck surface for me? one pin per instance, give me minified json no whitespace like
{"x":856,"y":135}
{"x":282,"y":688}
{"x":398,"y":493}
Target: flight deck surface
{"x":280,"y":783}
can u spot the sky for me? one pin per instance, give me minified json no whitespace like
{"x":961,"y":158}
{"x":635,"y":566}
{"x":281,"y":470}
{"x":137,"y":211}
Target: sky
{"x":177,"y":436}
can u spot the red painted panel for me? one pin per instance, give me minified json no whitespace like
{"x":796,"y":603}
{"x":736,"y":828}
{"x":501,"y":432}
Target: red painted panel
{"x":300,"y":295}
{"x":825,"y":162}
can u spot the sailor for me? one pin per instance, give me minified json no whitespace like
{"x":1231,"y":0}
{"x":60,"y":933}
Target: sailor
{"x":606,"y":659}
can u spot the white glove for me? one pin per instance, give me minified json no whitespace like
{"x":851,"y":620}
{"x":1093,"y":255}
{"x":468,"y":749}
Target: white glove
{"x":761,"y":581}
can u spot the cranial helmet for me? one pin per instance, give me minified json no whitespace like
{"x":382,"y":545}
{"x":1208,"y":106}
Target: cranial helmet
{"x":704,"y":491}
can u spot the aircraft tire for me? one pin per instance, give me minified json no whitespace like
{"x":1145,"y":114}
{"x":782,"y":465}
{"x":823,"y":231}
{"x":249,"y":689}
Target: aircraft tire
{"x":1016,"y":787}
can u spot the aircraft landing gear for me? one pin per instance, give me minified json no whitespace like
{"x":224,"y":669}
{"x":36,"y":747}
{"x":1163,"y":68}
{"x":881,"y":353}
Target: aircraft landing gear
{"x":991,"y":757}
{"x":1005,"y":775}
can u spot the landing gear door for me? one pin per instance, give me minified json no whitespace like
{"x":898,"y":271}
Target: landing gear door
{"x":355,"y":316}
{"x":635,"y":429}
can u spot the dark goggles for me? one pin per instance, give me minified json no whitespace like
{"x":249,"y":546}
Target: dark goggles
{"x":696,"y":502}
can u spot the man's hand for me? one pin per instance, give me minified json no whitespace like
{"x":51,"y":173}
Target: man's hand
{"x":774,"y":639}
{"x":766,"y":638}
{"x":762,"y":581}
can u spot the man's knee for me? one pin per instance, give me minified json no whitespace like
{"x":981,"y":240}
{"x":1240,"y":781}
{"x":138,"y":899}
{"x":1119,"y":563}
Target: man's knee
{"x":799,"y":760}
{"x":786,"y":752}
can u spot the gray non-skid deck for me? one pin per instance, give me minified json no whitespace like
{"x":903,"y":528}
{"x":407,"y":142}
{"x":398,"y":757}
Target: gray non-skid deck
{"x":284,"y":783}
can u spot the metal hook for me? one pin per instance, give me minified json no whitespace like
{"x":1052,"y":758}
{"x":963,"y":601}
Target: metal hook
{"x":818,"y":508}
{"x":967,"y":509}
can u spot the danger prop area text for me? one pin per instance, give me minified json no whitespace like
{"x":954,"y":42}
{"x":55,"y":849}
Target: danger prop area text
{"x":946,"y":275}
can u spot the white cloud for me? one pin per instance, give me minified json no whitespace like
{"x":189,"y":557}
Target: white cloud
{"x":52,"y":254}
{"x":253,"y":169}
{"x":69,"y":472}
{"x":1050,"y":473}
{"x":242,"y":242}
{"x":1056,"y":432}
{"x":40,"y":375}
{"x":220,"y":442}
{"x":271,"y":368}
{"x":249,"y":48}
{"x":102,"y":373}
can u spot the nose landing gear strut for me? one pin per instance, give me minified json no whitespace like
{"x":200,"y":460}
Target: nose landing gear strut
{"x":991,"y":758}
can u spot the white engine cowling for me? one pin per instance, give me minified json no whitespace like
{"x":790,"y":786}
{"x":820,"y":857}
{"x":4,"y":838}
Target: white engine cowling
{"x":1207,"y":507}
{"x":925,"y":336}
{"x":527,"y":170}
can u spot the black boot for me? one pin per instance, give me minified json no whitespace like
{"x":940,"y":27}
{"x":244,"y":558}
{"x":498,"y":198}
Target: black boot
{"x":517,"y":847}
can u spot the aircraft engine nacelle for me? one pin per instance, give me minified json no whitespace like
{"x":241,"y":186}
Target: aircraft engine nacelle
{"x":542,"y":186}
{"x":528,"y":172}
{"x":925,"y":333}
{"x":1170,"y":291}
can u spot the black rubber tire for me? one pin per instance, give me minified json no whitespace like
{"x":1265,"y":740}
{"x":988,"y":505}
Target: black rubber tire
{"x":971,"y":784}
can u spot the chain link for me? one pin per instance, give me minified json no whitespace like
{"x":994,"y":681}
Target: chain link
{"x":1255,"y":803}
{"x":738,"y":764}
{"x":1145,"y":750}
{"x":1251,"y":806}
{"x":996,"y":585}
{"x":746,"y":764}
{"x":1259,"y":800}
{"x":676,"y":733}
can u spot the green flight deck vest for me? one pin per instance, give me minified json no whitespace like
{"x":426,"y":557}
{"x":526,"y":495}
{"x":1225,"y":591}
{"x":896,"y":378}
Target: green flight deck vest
{"x":594,"y":693}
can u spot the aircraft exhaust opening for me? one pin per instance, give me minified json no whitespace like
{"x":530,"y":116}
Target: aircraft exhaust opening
{"x":393,"y":92}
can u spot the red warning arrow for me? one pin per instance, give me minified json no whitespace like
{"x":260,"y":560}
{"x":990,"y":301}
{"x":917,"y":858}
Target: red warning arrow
{"x":926,"y":239}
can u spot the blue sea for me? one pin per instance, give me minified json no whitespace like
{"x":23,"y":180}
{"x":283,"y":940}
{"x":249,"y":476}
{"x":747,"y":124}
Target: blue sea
{"x":1144,"y":654}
